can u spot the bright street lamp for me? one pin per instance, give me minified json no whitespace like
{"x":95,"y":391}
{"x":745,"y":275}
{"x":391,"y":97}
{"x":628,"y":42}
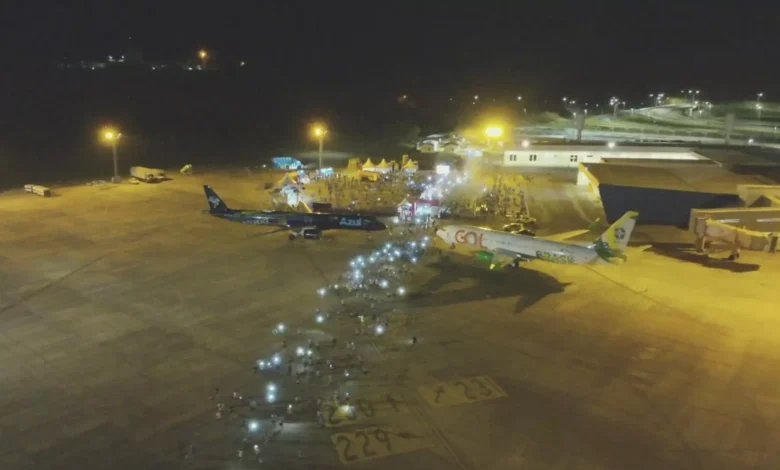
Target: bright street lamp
{"x":319,"y":133}
{"x":111,"y":136}
{"x":204,"y":57}
{"x":493,"y":132}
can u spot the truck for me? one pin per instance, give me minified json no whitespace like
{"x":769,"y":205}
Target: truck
{"x":147,"y":175}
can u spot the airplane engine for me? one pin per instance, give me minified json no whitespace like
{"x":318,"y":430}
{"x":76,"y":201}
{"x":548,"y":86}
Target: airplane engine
{"x":312,"y":233}
{"x":485,"y":257}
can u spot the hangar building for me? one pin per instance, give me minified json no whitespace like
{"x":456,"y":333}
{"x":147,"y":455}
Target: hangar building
{"x":666,"y":183}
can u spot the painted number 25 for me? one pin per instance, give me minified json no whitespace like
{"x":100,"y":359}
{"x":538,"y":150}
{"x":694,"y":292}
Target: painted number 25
{"x":480,"y":388}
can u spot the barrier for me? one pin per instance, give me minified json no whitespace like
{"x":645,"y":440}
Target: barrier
{"x":38,"y":190}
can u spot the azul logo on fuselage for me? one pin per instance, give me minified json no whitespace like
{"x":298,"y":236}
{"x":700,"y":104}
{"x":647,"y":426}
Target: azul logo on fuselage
{"x":214,"y":201}
{"x":350,"y":222}
{"x":261,"y":221}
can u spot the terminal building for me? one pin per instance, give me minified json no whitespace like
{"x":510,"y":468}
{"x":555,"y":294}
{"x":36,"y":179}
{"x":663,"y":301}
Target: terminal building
{"x":697,"y":187}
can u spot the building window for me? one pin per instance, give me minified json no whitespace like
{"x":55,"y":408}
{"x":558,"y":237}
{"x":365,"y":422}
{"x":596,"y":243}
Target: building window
{"x":572,"y":158}
{"x":532,"y":158}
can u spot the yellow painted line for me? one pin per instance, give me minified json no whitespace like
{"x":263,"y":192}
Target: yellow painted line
{"x":376,"y":443}
{"x":368,"y":409}
{"x":461,"y":391}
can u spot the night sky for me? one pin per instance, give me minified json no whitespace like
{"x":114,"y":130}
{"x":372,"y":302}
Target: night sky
{"x":578,"y":47}
{"x":345,"y":64}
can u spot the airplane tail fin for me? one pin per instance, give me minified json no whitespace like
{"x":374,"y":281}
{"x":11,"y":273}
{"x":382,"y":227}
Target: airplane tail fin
{"x":216,"y":204}
{"x":614,"y":241}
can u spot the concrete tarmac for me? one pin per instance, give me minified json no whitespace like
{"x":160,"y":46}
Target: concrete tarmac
{"x":123,"y":307}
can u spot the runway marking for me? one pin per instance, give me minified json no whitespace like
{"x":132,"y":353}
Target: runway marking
{"x":365,"y":409}
{"x":376,"y":443}
{"x":459,"y":392}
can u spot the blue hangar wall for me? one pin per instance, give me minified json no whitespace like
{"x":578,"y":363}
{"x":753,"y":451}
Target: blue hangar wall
{"x":659,"y":206}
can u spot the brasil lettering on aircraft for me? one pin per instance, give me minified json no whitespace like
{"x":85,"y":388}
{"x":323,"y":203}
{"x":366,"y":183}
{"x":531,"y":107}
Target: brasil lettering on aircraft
{"x":555,"y":257}
{"x":468,"y":237}
{"x":350,"y":222}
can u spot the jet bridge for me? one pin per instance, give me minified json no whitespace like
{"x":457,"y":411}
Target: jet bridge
{"x":748,"y":228}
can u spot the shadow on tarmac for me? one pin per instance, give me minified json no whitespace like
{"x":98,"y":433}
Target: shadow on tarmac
{"x":682,"y":252}
{"x":531,"y":286}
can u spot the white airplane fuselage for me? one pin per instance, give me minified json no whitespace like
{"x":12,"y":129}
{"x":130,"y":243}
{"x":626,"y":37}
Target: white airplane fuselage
{"x":520,"y":246}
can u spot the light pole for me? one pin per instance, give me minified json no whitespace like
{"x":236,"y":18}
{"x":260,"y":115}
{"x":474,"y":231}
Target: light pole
{"x":204,"y":57}
{"x":493,"y":132}
{"x":111,"y":136}
{"x":319,"y":133}
{"x":615,"y":102}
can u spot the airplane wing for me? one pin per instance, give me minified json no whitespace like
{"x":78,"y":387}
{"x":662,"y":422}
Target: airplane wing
{"x":559,"y":237}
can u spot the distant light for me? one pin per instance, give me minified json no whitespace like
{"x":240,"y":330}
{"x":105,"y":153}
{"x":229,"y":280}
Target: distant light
{"x":525,"y":144}
{"x":750,"y":141}
{"x":270,"y":387}
{"x":261,"y":364}
{"x":322,"y":291}
{"x":253,"y":426}
{"x":611,"y":145}
{"x":319,"y":131}
{"x":476,"y":97}
{"x":395,"y":221}
{"x":277,"y":359}
{"x":494,"y":131}
{"x":280,"y":327}
{"x":519,"y":98}
{"x":309,"y":352}
{"x":243,"y":63}
{"x":383,"y":283}
{"x":270,"y":397}
{"x":414,"y":260}
{"x":379,"y":329}
{"x":320,"y":318}
{"x":401,"y":290}
{"x":300,"y":351}
{"x":442,"y":170}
